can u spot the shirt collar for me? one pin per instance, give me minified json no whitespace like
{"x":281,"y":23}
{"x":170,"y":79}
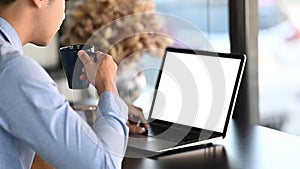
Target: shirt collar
{"x":8,"y":33}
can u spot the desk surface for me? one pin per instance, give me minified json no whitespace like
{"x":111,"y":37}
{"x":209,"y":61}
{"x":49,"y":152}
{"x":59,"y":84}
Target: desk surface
{"x":244,"y":147}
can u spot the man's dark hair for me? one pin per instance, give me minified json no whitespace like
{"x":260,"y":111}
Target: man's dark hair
{"x":6,"y":2}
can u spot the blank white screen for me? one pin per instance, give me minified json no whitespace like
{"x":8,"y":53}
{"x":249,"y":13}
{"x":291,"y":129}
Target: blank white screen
{"x":187,"y":91}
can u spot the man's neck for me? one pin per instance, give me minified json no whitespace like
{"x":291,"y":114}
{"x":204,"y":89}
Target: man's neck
{"x":20,"y":19}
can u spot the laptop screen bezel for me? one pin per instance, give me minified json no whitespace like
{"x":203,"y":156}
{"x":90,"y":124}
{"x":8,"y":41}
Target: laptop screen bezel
{"x":242,"y":59}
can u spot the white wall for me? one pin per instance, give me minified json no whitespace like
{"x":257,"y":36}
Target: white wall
{"x":48,"y":56}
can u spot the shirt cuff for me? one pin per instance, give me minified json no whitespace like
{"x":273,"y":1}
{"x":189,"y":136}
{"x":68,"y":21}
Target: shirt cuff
{"x":112,"y":105}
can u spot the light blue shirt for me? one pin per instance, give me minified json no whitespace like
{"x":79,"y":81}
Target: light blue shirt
{"x":35,"y":117}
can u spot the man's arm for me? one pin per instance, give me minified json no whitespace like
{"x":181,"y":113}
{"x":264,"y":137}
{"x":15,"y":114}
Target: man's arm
{"x":38,"y":116}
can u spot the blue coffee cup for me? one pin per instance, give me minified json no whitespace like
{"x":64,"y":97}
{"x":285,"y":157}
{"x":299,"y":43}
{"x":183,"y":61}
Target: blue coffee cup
{"x":72,"y":65}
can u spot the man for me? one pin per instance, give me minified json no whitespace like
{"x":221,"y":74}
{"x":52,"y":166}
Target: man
{"x":34,"y":116}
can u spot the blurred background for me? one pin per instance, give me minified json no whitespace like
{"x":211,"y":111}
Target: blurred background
{"x":278,"y":55}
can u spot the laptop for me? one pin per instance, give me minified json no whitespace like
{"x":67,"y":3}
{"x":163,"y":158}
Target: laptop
{"x":193,"y":102}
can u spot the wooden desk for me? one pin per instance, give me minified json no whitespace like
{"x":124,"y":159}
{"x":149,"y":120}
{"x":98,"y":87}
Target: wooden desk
{"x":245,"y":147}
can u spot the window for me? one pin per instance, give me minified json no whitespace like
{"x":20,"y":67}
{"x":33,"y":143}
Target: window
{"x":196,"y":24}
{"x":196,"y":19}
{"x":279,"y":71}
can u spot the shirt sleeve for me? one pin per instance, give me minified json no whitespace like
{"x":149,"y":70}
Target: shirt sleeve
{"x":35,"y":113}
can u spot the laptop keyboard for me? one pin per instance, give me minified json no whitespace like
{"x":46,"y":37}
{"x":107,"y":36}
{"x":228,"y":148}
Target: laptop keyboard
{"x":165,"y":133}
{"x":155,"y":130}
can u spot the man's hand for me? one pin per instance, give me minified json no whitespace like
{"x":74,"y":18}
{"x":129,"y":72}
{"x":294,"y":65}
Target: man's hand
{"x":101,"y":74}
{"x":136,"y":120}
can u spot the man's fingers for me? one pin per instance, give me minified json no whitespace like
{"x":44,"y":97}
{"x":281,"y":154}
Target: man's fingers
{"x":84,"y":57}
{"x":143,"y":121}
{"x":142,"y":118}
{"x":136,"y":129}
{"x":136,"y":115}
{"x":145,"y":125}
{"x":83,"y":77}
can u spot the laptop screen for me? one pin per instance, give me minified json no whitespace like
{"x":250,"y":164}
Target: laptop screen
{"x":197,"y":89}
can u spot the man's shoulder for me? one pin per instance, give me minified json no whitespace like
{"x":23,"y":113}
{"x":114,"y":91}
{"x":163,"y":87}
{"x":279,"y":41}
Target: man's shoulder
{"x":7,"y":54}
{"x":14,"y":63}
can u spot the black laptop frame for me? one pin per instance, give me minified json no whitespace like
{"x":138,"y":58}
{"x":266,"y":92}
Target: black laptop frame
{"x":241,"y":57}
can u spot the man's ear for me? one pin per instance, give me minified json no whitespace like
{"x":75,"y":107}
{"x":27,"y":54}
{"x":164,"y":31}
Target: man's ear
{"x":38,"y":3}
